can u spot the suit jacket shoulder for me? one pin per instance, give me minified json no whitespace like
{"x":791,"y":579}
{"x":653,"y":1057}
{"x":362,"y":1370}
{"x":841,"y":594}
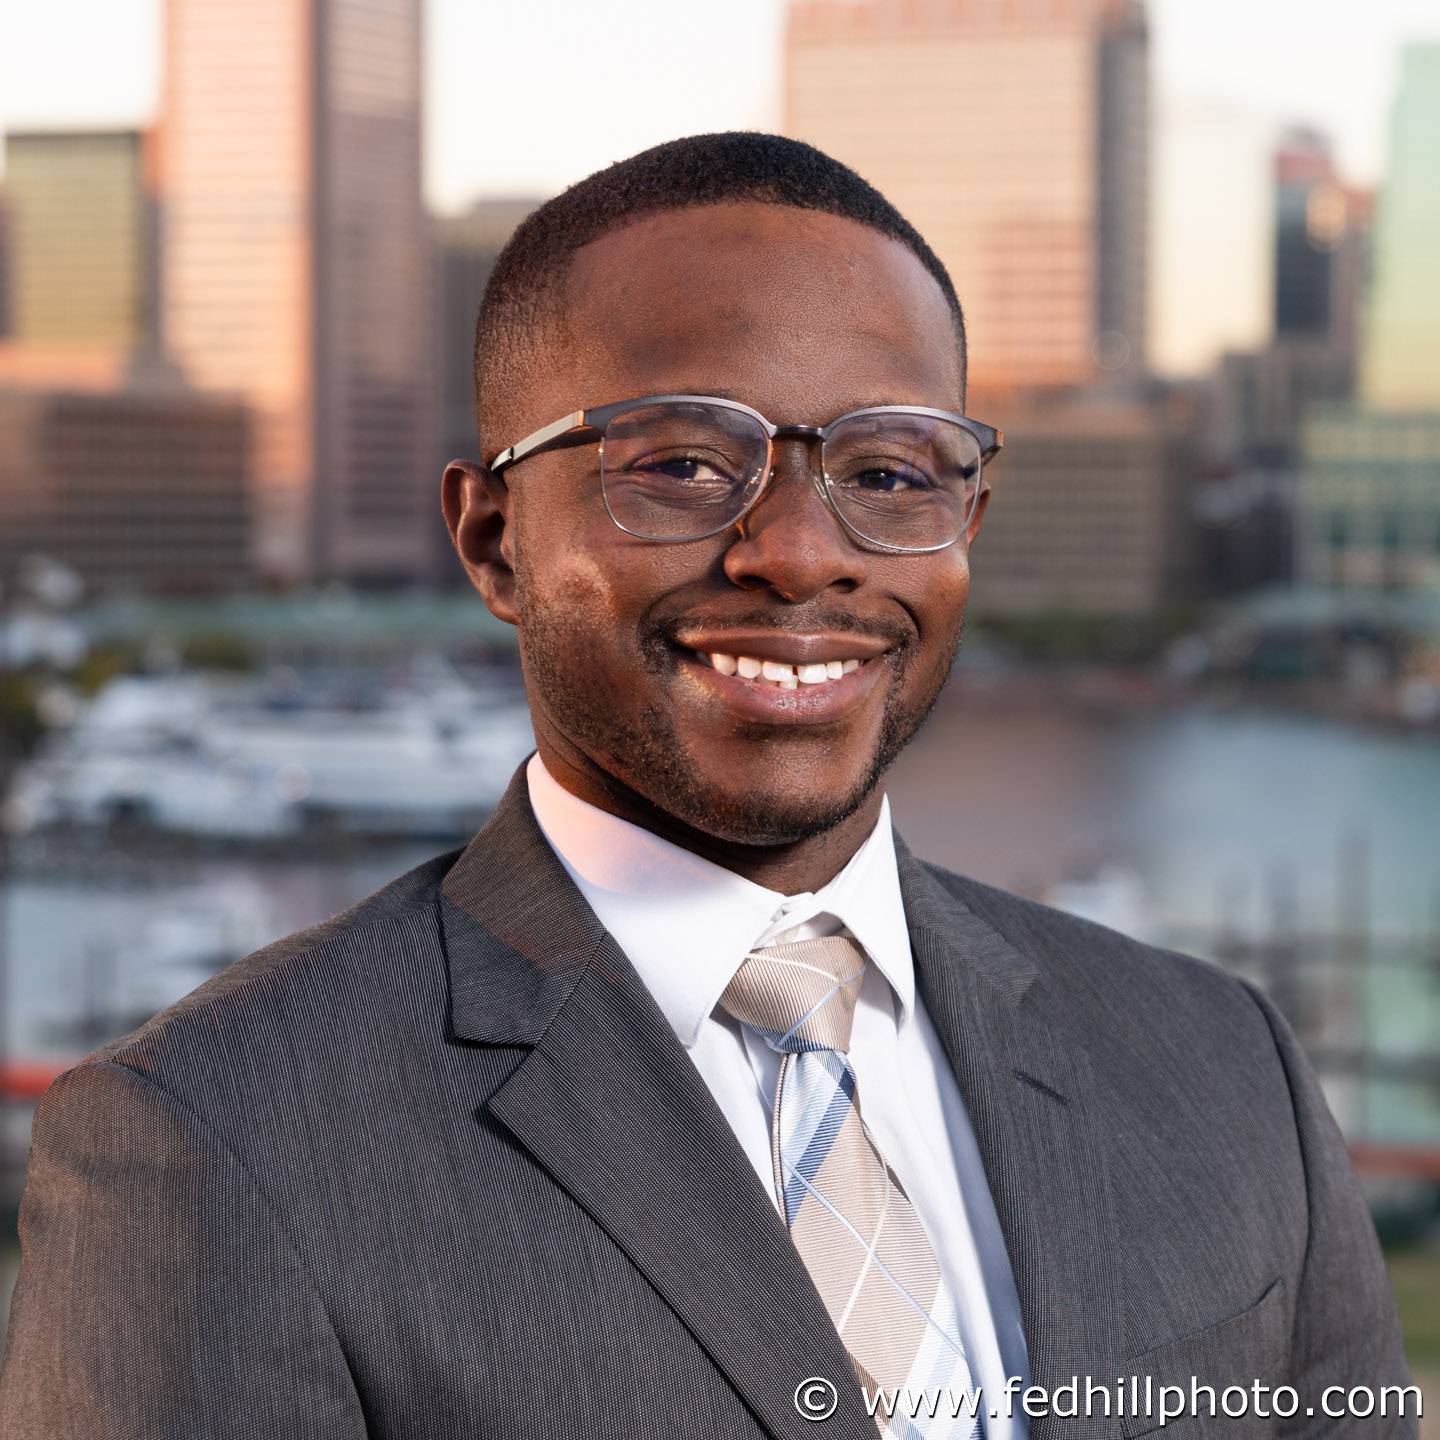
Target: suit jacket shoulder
{"x":305,"y":1016}
{"x":1108,"y":983}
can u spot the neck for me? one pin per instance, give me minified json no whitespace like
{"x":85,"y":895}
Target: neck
{"x":793,"y":868}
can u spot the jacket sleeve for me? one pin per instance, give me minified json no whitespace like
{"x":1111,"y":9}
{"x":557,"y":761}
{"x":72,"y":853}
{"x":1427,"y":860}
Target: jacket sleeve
{"x":1346,"y":1330}
{"x":158,"y":1295}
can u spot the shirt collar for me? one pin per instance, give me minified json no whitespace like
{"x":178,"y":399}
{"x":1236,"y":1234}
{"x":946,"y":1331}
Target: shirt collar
{"x":687,"y":923}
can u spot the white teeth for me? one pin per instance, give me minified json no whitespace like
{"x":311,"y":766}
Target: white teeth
{"x":780,"y":673}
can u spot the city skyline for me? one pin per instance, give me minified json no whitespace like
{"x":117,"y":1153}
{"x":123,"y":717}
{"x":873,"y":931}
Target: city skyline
{"x":1215,"y":124}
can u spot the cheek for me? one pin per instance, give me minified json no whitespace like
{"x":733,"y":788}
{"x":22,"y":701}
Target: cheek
{"x":575,"y":568}
{"x":572,"y":593}
{"x":559,"y":570}
{"x":936,"y":598}
{"x":585,"y":607}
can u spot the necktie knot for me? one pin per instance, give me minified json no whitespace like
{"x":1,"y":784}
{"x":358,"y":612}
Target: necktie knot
{"x":800,"y":995}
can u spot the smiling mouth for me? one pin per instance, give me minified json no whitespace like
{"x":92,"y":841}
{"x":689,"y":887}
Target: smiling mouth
{"x":778,"y":674}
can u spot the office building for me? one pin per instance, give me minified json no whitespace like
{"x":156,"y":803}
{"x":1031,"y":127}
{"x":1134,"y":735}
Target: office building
{"x":1322,"y":261}
{"x":1309,"y":217}
{"x":1322,"y":249}
{"x":1014,"y":134}
{"x":80,"y":246}
{"x":1401,"y":369}
{"x":467,"y":246}
{"x":1369,"y":496}
{"x":295,"y":265}
{"x":1090,"y":513}
{"x":133,"y":479}
{"x":1320,"y":274}
{"x":4,"y":268}
{"x":1370,"y":482}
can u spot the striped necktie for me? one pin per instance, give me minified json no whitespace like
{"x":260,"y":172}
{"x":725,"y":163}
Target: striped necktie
{"x":856,"y":1231}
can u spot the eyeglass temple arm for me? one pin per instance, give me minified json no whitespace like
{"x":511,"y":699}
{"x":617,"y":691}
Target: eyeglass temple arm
{"x":570,"y":430}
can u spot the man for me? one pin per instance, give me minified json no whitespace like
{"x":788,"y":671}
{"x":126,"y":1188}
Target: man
{"x":685,"y":1101}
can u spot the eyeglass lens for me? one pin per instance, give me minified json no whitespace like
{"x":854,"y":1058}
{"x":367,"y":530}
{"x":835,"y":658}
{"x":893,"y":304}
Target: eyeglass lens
{"x":679,"y":470}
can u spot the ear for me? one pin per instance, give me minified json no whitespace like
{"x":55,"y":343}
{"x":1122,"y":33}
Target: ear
{"x":973,"y":528}
{"x":477,"y":515}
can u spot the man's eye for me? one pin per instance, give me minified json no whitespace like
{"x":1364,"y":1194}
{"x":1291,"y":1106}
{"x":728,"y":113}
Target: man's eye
{"x":887,"y":481}
{"x":684,"y":470}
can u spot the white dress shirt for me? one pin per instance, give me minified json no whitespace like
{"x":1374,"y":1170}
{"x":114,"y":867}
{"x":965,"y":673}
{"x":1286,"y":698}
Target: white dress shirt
{"x":686,"y":925}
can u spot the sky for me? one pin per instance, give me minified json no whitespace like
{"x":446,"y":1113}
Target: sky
{"x":526,"y":96}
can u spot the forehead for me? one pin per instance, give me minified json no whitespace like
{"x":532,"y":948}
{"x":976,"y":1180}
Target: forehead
{"x":793,"y":309}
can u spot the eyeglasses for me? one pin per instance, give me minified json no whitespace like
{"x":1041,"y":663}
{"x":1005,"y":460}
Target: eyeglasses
{"x":682,"y":467}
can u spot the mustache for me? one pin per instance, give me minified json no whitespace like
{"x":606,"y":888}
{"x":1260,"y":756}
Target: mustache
{"x":800,"y":621}
{"x":659,"y":639}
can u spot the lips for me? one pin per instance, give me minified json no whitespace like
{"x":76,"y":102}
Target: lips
{"x":817,"y":647}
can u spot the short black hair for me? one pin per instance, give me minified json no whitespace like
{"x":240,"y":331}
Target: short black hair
{"x":525,"y":289}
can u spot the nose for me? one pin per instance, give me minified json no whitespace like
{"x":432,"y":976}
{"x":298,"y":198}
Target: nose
{"x":791,"y":543}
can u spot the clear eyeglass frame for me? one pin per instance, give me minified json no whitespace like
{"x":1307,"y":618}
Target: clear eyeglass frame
{"x":588,"y":427}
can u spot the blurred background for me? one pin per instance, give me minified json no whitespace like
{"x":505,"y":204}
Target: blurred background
{"x":241,"y":247}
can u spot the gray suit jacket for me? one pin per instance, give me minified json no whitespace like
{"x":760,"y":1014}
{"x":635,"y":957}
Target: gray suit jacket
{"x":439,"y":1168}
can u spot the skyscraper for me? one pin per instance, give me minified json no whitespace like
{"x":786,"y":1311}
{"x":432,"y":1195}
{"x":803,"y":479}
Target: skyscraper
{"x":80,"y":246}
{"x":1369,"y":512}
{"x":467,"y":246}
{"x":1014,"y":135}
{"x":1400,"y":369}
{"x":1320,"y":271}
{"x":296,"y":267}
{"x":1309,"y":222}
{"x":4,"y":267}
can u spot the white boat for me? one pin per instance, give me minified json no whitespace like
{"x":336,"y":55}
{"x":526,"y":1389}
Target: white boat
{"x":219,"y":757}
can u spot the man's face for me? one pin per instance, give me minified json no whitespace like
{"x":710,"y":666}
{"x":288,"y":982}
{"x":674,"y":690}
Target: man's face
{"x":802,"y":316}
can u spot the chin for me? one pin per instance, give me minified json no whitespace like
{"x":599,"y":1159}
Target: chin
{"x":763,"y":814}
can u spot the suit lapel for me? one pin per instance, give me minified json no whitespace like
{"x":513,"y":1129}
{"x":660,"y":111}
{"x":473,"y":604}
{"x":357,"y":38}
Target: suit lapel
{"x":1036,"y":1115}
{"x":606,"y":1099}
